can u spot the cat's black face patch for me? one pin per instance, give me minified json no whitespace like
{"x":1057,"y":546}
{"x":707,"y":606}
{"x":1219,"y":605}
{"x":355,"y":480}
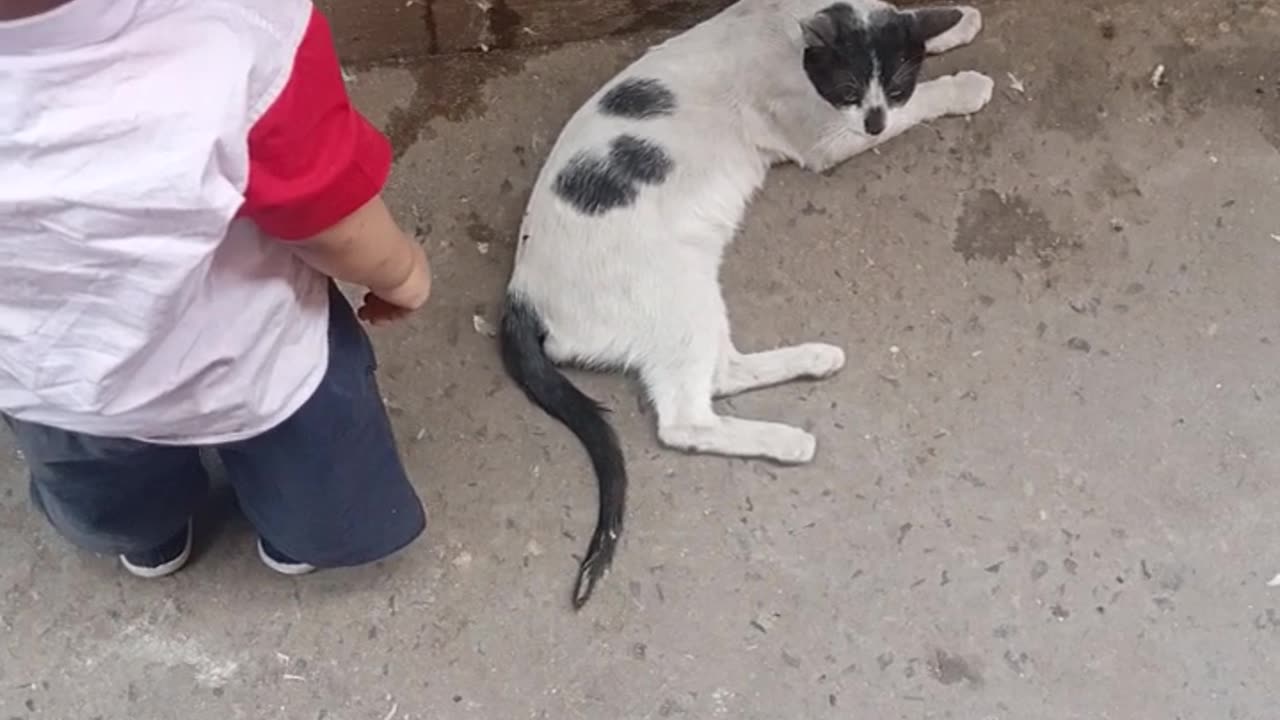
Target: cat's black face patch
{"x":595,"y":185}
{"x":638,"y":159}
{"x":837,"y":56}
{"x":638,"y":99}
{"x":899,"y":49}
{"x":846,"y":56}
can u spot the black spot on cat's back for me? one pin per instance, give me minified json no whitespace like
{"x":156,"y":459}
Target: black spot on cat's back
{"x":639,"y":160}
{"x":638,"y":99}
{"x":588,"y":183}
{"x":595,"y":185}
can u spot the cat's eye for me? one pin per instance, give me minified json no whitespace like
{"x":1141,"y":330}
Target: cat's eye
{"x":852,"y":94}
{"x":897,"y":94}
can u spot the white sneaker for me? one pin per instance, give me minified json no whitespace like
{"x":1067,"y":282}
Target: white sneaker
{"x":280,"y":562}
{"x":161,"y":561}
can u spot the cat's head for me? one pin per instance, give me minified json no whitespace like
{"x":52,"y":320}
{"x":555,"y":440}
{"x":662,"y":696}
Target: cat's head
{"x":868,"y":64}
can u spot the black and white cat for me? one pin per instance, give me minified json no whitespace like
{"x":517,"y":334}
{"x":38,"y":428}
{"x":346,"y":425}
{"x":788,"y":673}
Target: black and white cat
{"x":620,"y":249}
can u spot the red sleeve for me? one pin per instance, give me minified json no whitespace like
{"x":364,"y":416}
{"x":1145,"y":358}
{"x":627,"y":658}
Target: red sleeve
{"x":313,"y":159}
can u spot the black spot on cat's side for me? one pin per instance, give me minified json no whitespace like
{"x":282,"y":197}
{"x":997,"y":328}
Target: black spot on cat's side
{"x":638,"y":99}
{"x":595,"y":185}
{"x":589,"y":184}
{"x":640,"y":160}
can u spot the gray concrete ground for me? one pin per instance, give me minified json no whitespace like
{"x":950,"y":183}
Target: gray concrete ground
{"x":1046,"y":482}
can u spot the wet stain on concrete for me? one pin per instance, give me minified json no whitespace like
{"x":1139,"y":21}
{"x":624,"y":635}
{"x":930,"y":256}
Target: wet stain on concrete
{"x":649,"y":15}
{"x":504,"y":23}
{"x":999,"y":228}
{"x":452,"y":88}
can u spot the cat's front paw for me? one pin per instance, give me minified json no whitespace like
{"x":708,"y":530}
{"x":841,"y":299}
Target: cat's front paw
{"x":970,"y":92}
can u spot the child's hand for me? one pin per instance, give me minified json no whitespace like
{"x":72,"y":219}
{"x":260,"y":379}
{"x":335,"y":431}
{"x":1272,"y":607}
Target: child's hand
{"x":367,"y":248}
{"x":386,"y":306}
{"x":377,"y":311}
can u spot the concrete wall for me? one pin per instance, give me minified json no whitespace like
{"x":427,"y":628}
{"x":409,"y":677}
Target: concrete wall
{"x":371,"y":31}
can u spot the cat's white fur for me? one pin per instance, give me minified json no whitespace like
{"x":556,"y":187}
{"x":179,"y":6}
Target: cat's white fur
{"x":638,"y":287}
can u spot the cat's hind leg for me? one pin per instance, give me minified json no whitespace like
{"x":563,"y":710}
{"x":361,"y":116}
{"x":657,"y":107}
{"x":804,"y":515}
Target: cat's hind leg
{"x":687,"y":421}
{"x":681,"y":380}
{"x":742,"y":372}
{"x":947,"y":28}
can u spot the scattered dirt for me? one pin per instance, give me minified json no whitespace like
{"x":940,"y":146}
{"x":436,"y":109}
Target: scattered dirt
{"x":950,"y":669}
{"x":1203,"y":82}
{"x":998,"y":228}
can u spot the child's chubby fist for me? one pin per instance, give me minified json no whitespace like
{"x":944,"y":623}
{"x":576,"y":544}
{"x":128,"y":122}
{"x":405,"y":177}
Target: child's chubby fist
{"x":386,"y":306}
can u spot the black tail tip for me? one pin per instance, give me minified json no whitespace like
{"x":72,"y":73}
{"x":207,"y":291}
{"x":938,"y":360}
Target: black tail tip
{"x":593,"y":569}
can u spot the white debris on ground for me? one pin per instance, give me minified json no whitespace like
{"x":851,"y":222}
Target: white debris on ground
{"x":483,"y":326}
{"x":1157,"y":76}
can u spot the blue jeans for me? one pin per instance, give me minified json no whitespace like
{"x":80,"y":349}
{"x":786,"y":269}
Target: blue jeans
{"x":326,"y":487}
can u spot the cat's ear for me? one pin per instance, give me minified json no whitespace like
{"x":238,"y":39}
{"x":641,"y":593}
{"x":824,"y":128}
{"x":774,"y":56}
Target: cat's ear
{"x":819,"y":31}
{"x":929,"y":23}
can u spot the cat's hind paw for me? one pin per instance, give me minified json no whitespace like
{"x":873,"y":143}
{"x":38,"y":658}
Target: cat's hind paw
{"x":790,"y":446}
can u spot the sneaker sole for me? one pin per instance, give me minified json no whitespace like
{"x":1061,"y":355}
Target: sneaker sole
{"x":169,"y":568}
{"x":290,"y":569}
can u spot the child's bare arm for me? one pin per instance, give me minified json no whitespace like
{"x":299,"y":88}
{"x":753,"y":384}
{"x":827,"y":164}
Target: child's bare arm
{"x":369,"y":249}
{"x":317,"y":169}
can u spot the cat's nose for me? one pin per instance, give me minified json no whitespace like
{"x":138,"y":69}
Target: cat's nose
{"x":874,"y":121}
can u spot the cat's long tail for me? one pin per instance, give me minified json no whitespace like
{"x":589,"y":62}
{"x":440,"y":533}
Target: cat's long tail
{"x":523,"y":334}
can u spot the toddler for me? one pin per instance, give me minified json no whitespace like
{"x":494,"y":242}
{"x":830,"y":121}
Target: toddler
{"x":180,"y":183}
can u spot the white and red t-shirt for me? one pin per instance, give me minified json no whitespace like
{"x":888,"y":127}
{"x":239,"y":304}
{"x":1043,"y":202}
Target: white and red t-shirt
{"x":156,"y":157}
